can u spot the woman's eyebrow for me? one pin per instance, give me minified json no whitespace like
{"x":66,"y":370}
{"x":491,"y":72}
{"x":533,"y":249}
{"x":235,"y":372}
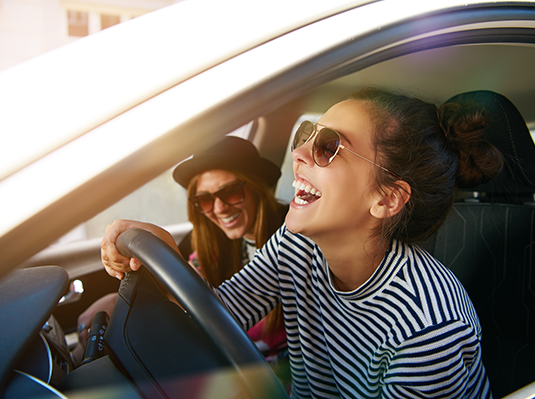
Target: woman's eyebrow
{"x":230,"y":183}
{"x":344,"y":138}
{"x":342,"y":135}
{"x":220,"y":187}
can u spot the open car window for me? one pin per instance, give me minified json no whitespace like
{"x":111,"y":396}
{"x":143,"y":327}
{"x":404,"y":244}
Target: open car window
{"x":161,"y":201}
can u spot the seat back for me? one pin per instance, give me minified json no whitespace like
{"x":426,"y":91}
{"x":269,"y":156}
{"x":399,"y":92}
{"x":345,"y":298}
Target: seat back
{"x":488,"y":243}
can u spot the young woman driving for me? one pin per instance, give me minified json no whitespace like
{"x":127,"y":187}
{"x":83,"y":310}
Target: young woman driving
{"x":368,"y":313}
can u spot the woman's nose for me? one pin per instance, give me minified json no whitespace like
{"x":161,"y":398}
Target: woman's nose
{"x":303,"y":154}
{"x":219,"y":206}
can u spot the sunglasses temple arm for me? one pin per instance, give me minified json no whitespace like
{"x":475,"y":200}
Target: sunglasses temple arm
{"x":370,"y":161}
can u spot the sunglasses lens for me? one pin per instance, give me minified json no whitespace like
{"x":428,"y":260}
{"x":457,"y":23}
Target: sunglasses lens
{"x":231,"y":195}
{"x":326,"y":146}
{"x":203,"y":202}
{"x":303,"y":133}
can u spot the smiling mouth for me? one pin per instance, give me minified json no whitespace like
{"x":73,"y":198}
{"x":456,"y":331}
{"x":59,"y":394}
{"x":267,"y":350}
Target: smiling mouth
{"x":230,"y":218}
{"x":305,"y":193}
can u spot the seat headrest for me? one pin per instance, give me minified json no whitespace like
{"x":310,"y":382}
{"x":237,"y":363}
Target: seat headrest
{"x":509,"y":133}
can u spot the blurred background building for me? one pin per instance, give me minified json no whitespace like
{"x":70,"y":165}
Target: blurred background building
{"x":29,"y":28}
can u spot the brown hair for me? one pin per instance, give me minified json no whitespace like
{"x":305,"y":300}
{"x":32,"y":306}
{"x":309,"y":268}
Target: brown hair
{"x":219,"y":257}
{"x":434,"y":150}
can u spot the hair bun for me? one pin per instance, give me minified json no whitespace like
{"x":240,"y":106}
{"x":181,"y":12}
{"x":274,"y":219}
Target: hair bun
{"x":465,"y":127}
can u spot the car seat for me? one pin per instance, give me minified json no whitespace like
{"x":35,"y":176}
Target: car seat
{"x":487,"y":241}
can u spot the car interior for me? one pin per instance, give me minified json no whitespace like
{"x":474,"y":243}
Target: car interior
{"x":491,"y":230}
{"x":152,"y":346}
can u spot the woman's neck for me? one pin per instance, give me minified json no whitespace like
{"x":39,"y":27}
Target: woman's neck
{"x":352,"y":260}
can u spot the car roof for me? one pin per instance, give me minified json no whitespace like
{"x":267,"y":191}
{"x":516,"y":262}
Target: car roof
{"x":89,"y":122}
{"x":77,"y":87}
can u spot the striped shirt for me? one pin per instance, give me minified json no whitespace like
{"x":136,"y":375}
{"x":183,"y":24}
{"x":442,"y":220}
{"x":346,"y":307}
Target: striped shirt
{"x":409,"y":331}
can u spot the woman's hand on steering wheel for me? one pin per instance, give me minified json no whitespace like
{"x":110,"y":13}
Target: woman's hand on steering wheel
{"x":117,"y":265}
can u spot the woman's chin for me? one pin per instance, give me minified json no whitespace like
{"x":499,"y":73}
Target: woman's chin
{"x":294,"y":221}
{"x":234,"y":234}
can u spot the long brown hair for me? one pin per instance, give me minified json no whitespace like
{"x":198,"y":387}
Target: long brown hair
{"x":218,"y":256}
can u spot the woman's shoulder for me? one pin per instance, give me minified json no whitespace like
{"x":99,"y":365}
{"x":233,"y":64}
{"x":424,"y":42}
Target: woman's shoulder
{"x":423,"y":270}
{"x":431,"y":265}
{"x":433,"y":289}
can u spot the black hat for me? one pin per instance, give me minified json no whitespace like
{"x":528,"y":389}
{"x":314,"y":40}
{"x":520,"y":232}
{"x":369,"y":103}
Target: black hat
{"x":233,"y":154}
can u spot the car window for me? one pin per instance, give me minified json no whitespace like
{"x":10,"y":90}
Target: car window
{"x":161,"y":201}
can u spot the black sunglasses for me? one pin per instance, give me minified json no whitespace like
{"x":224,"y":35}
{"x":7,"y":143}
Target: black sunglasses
{"x":231,"y":194}
{"x":326,"y":145}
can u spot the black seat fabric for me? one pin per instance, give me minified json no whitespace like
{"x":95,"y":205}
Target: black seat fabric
{"x":490,"y":249}
{"x":488,"y":244}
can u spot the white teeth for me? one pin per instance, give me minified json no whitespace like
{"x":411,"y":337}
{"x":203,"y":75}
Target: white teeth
{"x":307,"y":188}
{"x":230,"y":218}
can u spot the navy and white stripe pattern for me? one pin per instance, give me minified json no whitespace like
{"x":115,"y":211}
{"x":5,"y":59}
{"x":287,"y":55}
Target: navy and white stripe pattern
{"x":409,"y":332}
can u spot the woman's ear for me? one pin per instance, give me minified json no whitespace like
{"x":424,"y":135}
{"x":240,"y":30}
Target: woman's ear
{"x":392,"y":201}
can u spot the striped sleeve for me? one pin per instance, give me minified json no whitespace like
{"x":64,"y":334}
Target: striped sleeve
{"x":254,"y":291}
{"x":441,"y":361}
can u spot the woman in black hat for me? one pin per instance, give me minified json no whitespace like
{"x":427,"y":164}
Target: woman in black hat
{"x":233,"y":211}
{"x":230,"y":197}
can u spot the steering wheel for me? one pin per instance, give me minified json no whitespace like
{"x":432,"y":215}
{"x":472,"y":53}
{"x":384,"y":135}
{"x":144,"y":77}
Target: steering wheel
{"x":257,"y":378}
